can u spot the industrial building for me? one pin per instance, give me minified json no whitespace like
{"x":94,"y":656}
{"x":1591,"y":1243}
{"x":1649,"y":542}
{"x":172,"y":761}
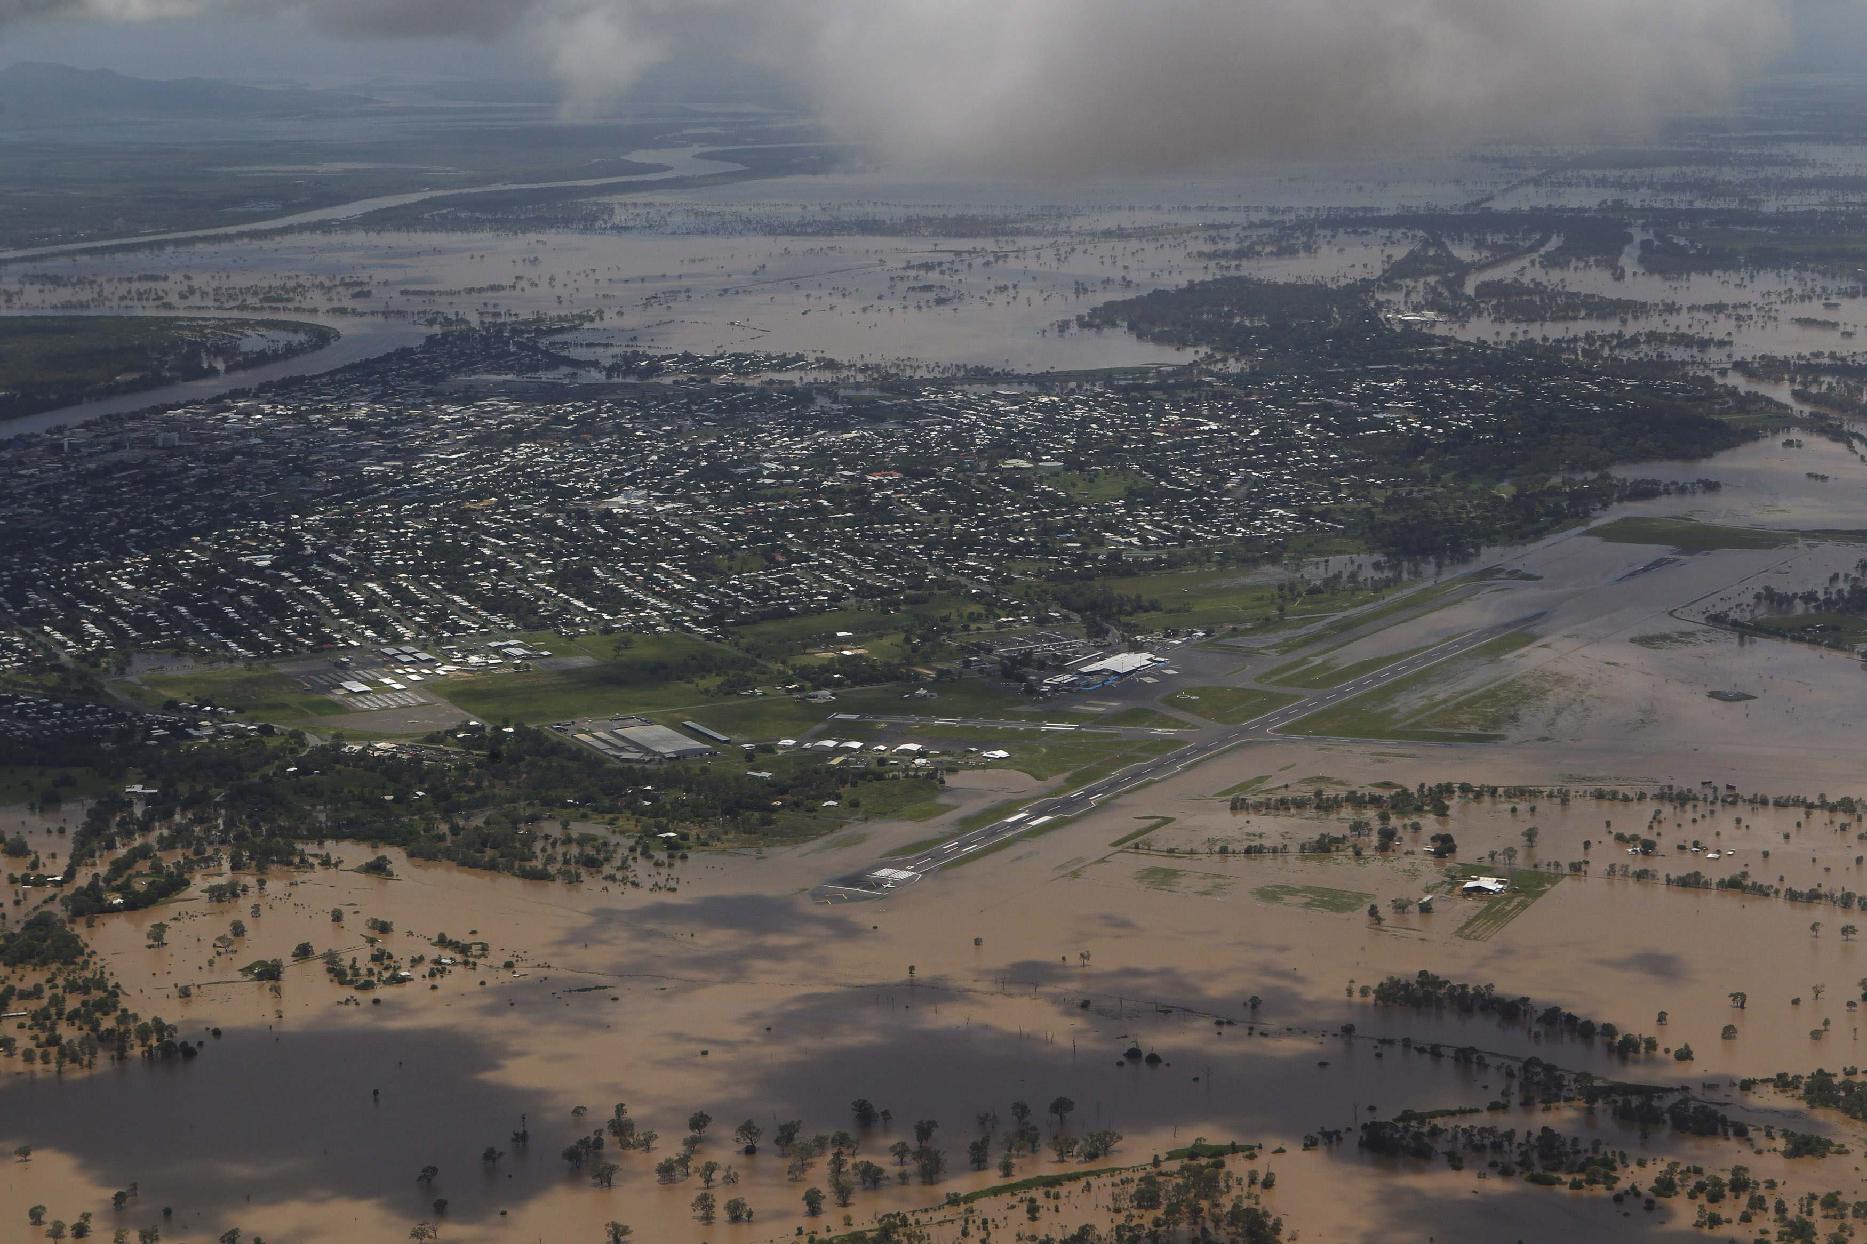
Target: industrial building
{"x":1097,"y":672}
{"x":644,"y":743}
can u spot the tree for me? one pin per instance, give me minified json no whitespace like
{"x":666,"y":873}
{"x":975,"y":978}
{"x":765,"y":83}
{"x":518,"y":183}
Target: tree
{"x":36,"y":1215}
{"x":1847,"y":932}
{"x":1739,"y":998}
{"x":1062,"y":1108}
{"x":57,"y":1230}
{"x":930,"y":1163}
{"x":924,"y":1130}
{"x":707,"y":1171}
{"x":900,"y":1151}
{"x":423,"y":1231}
{"x":864,"y":1112}
{"x":427,"y":1174}
{"x":737,"y":1210}
{"x":24,"y":1152}
{"x":703,"y":1206}
{"x":603,"y":1175}
{"x":698,"y":1122}
{"x":747,"y":1135}
{"x":1729,"y":1033}
{"x":1021,"y":1111}
{"x":159,"y":933}
{"x":616,"y":1232}
{"x":979,"y":1152}
{"x":1374,"y":912}
{"x":868,"y":1174}
{"x":813,"y":1201}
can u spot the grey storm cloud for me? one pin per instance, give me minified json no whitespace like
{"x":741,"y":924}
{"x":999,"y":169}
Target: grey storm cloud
{"x":1094,"y":86}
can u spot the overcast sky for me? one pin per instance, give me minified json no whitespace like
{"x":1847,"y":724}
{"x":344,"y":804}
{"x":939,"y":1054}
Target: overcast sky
{"x":1040,"y":85}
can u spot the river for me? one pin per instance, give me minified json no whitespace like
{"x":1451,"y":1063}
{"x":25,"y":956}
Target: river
{"x":361,"y":339}
{"x":677,"y":162}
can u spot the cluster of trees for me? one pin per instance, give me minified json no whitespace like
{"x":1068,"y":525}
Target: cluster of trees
{"x":1200,"y":1198}
{"x":1551,"y":418}
{"x":845,"y":1170}
{"x":251,"y":803}
{"x":1425,"y":991}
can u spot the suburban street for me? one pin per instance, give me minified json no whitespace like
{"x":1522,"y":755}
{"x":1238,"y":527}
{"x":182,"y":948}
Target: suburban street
{"x":886,"y":875}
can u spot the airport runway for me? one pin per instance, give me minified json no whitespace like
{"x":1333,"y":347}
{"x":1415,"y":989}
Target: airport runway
{"x":888,"y":875}
{"x":991,"y":723}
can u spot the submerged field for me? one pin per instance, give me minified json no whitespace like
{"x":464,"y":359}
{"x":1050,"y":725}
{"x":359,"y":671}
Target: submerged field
{"x":1553,"y":938}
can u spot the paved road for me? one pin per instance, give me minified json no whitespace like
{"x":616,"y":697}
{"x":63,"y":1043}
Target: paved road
{"x":887,"y":875}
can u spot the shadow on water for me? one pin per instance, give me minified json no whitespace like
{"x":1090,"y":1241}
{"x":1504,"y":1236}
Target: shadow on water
{"x":260,"y":1118}
{"x":1520,"y":1214}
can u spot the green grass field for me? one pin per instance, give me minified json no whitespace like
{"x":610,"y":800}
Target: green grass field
{"x":1686,"y":535}
{"x":648,"y":674}
{"x":1313,"y":897}
{"x":1526,"y":886}
{"x":1230,"y":705}
{"x":1399,"y":600}
{"x":25,"y":783}
{"x":261,"y":693}
{"x":1137,"y":715}
{"x":1398,"y":711}
{"x":1207,"y":599}
{"x":1192,"y":881}
{"x":1135,"y":835}
{"x":1497,"y":707}
{"x":1101,"y":485}
{"x":752,"y":719}
{"x":1845,"y":628}
{"x":1659,"y":641}
{"x":1321,"y":674}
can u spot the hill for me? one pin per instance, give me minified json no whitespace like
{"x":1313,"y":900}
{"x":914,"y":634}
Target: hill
{"x":35,"y":92}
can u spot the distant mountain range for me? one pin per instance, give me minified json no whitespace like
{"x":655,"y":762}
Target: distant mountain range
{"x":46,"y":94}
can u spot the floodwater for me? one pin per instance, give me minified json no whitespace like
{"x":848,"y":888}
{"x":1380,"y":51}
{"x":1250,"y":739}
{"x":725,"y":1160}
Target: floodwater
{"x":678,"y":162}
{"x":722,"y":986}
{"x":735,"y":994}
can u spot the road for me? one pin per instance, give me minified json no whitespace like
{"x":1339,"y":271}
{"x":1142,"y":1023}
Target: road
{"x":887,"y":875}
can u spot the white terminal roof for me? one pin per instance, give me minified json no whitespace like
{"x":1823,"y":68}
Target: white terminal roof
{"x":1120,"y":663}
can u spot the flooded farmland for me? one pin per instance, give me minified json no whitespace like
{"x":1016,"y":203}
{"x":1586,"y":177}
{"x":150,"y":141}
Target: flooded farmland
{"x":1614,"y":822}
